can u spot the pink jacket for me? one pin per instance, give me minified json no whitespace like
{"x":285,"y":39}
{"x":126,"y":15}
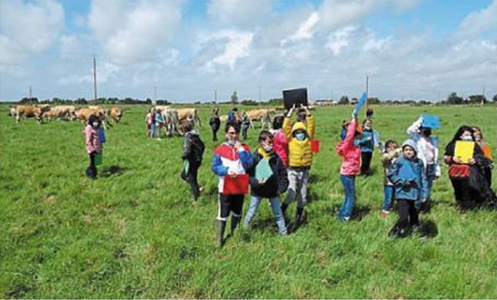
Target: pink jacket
{"x":91,"y":138}
{"x":350,"y":153}
{"x":280,"y":146}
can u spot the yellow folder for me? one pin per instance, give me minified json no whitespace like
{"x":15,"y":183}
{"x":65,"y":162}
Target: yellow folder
{"x":464,"y":150}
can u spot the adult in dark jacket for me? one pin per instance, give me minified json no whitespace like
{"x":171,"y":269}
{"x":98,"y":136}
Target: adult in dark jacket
{"x":193,"y":149}
{"x":271,"y":187}
{"x":470,"y":186}
{"x":215,"y":123}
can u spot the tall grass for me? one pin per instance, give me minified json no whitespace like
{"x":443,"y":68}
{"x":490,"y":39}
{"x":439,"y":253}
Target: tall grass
{"x":134,"y":232}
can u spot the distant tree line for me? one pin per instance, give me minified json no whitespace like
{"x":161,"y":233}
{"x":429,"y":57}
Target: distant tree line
{"x":452,"y":99}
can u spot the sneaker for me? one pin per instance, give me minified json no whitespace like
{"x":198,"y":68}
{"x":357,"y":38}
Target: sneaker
{"x":200,"y":189}
{"x":384,"y":213}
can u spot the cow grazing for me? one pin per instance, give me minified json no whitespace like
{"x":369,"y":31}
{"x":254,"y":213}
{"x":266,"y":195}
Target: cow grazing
{"x":263,"y":115}
{"x":30,"y":111}
{"x":184,"y":113}
{"x":66,"y":112}
{"x":83,"y":114}
{"x":115,"y":113}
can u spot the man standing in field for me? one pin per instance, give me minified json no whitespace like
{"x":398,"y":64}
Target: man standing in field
{"x":230,"y":163}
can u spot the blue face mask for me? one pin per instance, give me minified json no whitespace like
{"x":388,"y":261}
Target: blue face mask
{"x":357,"y":143}
{"x":300,"y":136}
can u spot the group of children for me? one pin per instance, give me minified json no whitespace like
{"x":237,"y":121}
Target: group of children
{"x":409,"y":169}
{"x":155,"y":122}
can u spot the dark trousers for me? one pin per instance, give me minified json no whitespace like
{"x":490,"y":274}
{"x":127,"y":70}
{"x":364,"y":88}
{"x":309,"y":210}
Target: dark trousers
{"x":91,"y":171}
{"x":488,"y":176}
{"x":191,"y":178}
{"x":462,"y":192}
{"x":214,"y":133}
{"x":408,"y":215}
{"x":366,"y":162}
{"x":245,"y":128}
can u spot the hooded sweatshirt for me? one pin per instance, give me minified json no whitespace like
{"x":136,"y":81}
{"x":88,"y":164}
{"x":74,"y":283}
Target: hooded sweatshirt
{"x":300,"y":154}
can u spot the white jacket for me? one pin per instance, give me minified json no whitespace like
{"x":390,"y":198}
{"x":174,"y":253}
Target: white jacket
{"x":414,"y":133}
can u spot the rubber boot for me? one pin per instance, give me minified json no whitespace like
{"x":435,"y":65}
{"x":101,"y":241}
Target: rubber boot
{"x":234,"y":223}
{"x":300,"y":213}
{"x":221,"y":226}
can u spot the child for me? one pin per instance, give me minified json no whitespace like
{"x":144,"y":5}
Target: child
{"x":159,"y":122}
{"x":299,"y":138}
{"x":391,"y":153}
{"x":150,"y":120}
{"x":193,"y":149}
{"x":245,"y":125}
{"x":343,"y":132}
{"x":231,"y":158}
{"x":280,"y":146}
{"x":93,"y":145}
{"x":350,"y":152}
{"x":427,"y":147}
{"x":367,"y":147}
{"x":485,"y":148}
{"x":215,"y":123}
{"x":408,"y":175}
{"x":271,"y":187}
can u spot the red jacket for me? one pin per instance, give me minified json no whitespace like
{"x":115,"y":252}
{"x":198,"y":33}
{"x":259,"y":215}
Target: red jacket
{"x":280,"y":146}
{"x":350,"y":153}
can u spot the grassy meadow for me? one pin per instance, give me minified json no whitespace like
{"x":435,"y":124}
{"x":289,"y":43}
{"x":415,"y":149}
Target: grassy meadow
{"x":134,"y":232}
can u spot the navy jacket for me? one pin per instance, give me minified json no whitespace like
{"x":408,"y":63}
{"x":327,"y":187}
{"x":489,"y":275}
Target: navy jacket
{"x":409,"y":179}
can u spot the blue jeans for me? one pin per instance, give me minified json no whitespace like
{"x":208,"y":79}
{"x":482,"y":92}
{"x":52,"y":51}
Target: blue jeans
{"x":388,"y":192}
{"x":255,"y":201}
{"x":348,"y":182}
{"x":430,"y":175}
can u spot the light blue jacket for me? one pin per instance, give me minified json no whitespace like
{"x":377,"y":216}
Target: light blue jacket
{"x":409,"y":179}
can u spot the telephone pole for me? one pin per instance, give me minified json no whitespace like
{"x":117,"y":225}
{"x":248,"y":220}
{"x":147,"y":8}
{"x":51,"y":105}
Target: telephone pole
{"x":30,"y":95}
{"x":367,"y":91}
{"x":95,"y":78}
{"x":215,"y":96}
{"x":259,"y":93}
{"x":155,"y":94}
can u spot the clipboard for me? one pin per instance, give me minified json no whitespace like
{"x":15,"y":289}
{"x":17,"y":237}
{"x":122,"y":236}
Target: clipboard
{"x":186,"y":166}
{"x":464,"y":150}
{"x":263,"y":170}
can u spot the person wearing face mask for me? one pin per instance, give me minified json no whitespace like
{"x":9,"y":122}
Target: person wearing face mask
{"x":470,"y":186}
{"x":427,"y":146}
{"x":350,"y":151}
{"x":485,"y":148}
{"x":411,"y":188}
{"x":231,"y":160}
{"x":271,"y":187}
{"x":280,"y":143}
{"x":299,"y":138}
{"x":93,"y":145}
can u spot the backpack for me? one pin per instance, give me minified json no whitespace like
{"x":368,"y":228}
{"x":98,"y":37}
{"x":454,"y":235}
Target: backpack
{"x":231,"y":116}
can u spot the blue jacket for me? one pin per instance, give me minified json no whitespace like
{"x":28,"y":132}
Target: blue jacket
{"x":367,"y":141}
{"x":409,"y":179}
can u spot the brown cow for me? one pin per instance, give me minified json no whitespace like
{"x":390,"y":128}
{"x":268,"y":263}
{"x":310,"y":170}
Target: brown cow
{"x":61,"y":112}
{"x":184,"y":113}
{"x":84,"y":113}
{"x":262,"y":115}
{"x":115,"y":113}
{"x":30,"y":111}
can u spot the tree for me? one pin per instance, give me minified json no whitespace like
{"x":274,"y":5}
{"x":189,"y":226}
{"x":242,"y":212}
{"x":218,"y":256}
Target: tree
{"x":234,"y":98}
{"x":495,"y":98}
{"x":453,"y":98}
{"x":477,"y":99}
{"x":344,"y":100}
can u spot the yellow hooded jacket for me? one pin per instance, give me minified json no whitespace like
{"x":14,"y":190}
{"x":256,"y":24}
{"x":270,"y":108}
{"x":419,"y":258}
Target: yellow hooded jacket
{"x":300,"y":154}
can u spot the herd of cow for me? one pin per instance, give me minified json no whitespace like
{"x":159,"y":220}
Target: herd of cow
{"x":65,"y":112}
{"x":173,"y":117}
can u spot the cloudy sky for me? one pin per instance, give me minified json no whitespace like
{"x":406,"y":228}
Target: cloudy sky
{"x":185,"y":50}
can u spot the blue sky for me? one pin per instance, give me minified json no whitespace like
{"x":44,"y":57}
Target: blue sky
{"x":188,"y":49}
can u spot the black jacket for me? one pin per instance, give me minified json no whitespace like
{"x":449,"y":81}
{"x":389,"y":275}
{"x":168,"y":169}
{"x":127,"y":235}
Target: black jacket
{"x":215,"y":123}
{"x":193,"y":147}
{"x":276,"y":184}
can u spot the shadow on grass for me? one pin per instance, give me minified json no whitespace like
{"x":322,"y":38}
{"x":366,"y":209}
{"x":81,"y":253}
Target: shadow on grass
{"x":360,"y":212}
{"x":112,"y":170}
{"x":427,"y":229}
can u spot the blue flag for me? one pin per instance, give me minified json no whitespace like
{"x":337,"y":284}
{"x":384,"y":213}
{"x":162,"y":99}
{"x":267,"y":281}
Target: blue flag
{"x":360,"y":104}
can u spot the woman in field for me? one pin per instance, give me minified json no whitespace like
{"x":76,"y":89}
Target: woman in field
{"x":470,"y":186}
{"x":93,"y":145}
{"x":487,"y":153}
{"x":215,"y":123}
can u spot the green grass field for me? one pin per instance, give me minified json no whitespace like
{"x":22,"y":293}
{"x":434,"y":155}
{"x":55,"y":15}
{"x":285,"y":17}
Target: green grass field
{"x":134,"y":232}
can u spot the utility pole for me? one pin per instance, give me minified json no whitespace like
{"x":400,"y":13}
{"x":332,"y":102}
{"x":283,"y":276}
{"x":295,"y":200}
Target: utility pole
{"x":259,"y":93}
{"x":95,"y":78}
{"x":155,"y":94}
{"x":30,"y":95}
{"x":215,"y":96}
{"x":483,"y":96}
{"x":367,"y":91}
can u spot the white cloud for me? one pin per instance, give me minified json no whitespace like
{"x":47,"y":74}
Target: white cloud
{"x":478,"y":22}
{"x":237,"y":45}
{"x":28,"y":28}
{"x":239,"y":13}
{"x":375,"y":44}
{"x":339,"y":39}
{"x":131,"y":31}
{"x":305,"y":29}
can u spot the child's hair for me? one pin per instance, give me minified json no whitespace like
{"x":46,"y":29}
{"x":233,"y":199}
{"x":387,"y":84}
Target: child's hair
{"x":345,"y":124}
{"x":235,"y":109}
{"x":388,"y":143}
{"x":264,"y":135}
{"x":188,"y":126}
{"x":278,"y":122}
{"x":365,"y":120}
{"x":92,"y":119}
{"x":232,"y":124}
{"x":301,"y":115}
